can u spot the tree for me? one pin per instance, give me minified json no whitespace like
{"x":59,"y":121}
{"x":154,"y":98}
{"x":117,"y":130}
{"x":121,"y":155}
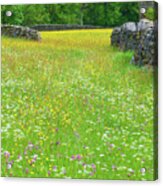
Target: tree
{"x":17,"y":16}
{"x":35,"y":14}
{"x":129,"y":11}
{"x":101,"y":14}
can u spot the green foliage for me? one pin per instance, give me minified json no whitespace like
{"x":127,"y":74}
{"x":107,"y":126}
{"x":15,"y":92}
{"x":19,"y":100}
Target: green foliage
{"x":151,"y":14}
{"x":129,"y":11}
{"x":104,"y":14}
{"x":17,"y":17}
{"x":35,"y":14}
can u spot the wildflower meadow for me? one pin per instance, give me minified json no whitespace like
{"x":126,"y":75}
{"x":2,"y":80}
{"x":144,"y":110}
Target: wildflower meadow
{"x":74,"y":107}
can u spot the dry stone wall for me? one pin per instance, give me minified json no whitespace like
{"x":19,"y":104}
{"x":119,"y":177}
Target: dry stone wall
{"x":53,"y":27}
{"x":140,"y":37}
{"x":20,"y":31}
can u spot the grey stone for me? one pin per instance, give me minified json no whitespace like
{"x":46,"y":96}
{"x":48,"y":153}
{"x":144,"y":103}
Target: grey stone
{"x":143,"y":24}
{"x":130,"y":26}
{"x":20,"y":31}
{"x":140,"y":37}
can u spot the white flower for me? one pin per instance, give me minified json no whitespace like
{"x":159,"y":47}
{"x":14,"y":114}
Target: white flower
{"x":35,"y":156}
{"x":30,"y":145}
{"x":142,"y":170}
{"x":112,"y":145}
{"x":130,"y":170}
{"x":9,"y":165}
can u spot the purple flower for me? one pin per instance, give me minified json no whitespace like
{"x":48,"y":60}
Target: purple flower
{"x":54,"y":168}
{"x":93,"y":166}
{"x":56,"y":129}
{"x":78,"y":157}
{"x":10,"y":164}
{"x":73,"y":157}
{"x":6,"y":154}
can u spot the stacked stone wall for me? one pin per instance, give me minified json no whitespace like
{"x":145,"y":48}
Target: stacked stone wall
{"x":20,"y":31}
{"x":140,"y":37}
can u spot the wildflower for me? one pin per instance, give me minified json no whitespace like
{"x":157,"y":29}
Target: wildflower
{"x":131,"y":170}
{"x":9,"y":166}
{"x":114,"y":167}
{"x":32,"y":161}
{"x":20,"y":157}
{"x":78,"y":157}
{"x":101,"y":155}
{"x":6,"y":154}
{"x":35,"y":157}
{"x":142,"y":170}
{"x":93,"y":166}
{"x":73,"y":157}
{"x":112,"y":145}
{"x":84,"y":165}
{"x":30,"y":146}
{"x":54,"y":168}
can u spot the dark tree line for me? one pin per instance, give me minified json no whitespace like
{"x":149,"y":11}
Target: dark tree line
{"x":102,"y":14}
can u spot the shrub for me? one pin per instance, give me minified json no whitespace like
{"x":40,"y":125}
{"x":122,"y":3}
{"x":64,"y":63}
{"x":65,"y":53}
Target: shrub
{"x":151,"y":14}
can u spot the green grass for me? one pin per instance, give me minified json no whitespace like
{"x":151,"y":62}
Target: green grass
{"x":73,"y":106}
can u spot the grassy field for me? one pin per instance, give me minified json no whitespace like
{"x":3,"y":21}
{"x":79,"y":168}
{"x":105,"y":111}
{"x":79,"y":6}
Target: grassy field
{"x":74,"y":107}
